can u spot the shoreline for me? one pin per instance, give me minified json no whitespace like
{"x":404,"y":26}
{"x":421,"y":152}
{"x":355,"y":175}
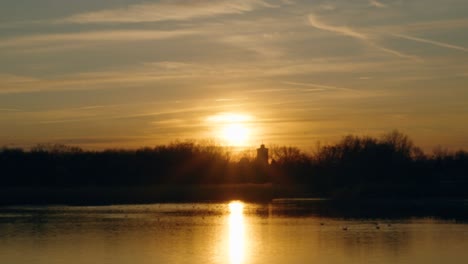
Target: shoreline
{"x":261,"y":193}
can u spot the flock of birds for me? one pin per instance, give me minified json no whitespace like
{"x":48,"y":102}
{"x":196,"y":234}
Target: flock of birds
{"x":376,"y":224}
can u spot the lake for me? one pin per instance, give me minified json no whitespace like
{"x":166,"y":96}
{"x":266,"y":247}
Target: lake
{"x":283,"y":231}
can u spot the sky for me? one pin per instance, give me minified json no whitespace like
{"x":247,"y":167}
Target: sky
{"x":131,"y":73}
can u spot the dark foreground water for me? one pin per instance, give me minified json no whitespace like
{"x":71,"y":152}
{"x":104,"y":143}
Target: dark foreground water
{"x":286,"y":231}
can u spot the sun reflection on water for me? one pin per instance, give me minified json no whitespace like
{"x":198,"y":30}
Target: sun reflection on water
{"x":236,"y":232}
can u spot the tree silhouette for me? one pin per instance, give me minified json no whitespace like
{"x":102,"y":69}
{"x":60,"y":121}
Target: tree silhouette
{"x":354,"y":167}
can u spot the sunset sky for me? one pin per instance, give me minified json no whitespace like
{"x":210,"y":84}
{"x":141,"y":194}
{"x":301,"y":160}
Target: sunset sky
{"x":130,"y":73}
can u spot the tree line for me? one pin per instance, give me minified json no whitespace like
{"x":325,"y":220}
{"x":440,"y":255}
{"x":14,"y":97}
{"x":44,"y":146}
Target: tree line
{"x":356,"y":166}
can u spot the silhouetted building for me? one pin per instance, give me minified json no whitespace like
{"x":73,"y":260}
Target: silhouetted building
{"x":262,"y":154}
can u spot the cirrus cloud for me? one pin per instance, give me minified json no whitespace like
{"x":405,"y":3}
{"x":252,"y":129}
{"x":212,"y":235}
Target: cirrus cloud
{"x":178,"y":10}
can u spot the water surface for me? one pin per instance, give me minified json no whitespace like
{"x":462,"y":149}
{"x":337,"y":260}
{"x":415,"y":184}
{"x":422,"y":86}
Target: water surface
{"x":279,"y":232}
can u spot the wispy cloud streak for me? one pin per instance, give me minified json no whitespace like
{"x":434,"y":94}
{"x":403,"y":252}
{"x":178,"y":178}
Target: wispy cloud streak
{"x":315,"y":22}
{"x":319,"y":86}
{"x":432,"y":42}
{"x":395,"y":52}
{"x":177,"y":10}
{"x":378,"y":4}
{"x":9,"y":110}
{"x":112,"y":35}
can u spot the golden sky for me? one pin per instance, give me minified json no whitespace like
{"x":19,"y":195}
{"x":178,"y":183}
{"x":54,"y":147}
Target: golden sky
{"x":130,"y":73}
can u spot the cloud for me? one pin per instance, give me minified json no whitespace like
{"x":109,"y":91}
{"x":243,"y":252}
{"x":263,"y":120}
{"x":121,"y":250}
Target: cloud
{"x":327,"y":7}
{"x":395,"y":52}
{"x":9,"y":110}
{"x":90,"y":81}
{"x":319,"y":86}
{"x":437,"y":25}
{"x":16,"y":79}
{"x":110,"y":35}
{"x":315,"y":22}
{"x":226,"y":76}
{"x":377,"y":4}
{"x":432,"y":42}
{"x":101,"y":140}
{"x":336,"y":29}
{"x":424,"y":26}
{"x":176,"y":10}
{"x":254,"y":43}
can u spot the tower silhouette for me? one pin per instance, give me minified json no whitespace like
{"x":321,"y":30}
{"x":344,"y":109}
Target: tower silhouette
{"x":262,"y":154}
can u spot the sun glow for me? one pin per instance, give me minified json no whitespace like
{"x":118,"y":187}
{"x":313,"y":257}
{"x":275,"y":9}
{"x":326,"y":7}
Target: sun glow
{"x":235,"y":134}
{"x":236,"y":233}
{"x":232,"y":129}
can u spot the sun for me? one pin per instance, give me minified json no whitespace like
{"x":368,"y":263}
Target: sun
{"x":235,"y":134}
{"x":232,"y":129}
